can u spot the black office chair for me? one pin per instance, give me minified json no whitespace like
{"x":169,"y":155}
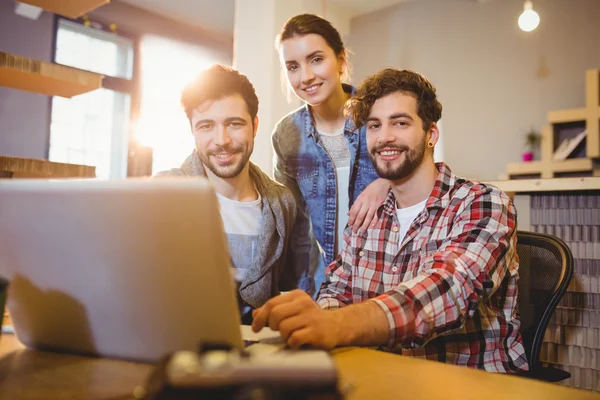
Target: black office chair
{"x":545,"y":270}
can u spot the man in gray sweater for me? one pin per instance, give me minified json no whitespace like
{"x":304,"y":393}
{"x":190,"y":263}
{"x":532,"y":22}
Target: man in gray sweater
{"x":259,"y":215}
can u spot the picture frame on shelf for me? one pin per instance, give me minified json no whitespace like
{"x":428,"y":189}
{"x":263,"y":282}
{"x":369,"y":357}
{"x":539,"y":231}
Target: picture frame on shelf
{"x":567,"y":146}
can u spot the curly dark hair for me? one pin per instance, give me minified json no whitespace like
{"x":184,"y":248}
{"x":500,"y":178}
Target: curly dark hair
{"x":216,"y":82}
{"x":391,"y":80}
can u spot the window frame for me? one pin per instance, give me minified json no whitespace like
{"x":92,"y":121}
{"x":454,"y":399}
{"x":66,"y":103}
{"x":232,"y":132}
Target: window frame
{"x":118,"y":84}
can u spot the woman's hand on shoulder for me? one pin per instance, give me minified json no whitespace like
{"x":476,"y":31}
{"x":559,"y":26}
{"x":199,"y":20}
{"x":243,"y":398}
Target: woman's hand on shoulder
{"x":364,"y":210}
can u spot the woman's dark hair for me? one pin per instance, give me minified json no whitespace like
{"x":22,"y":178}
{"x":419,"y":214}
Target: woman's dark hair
{"x":305,"y":24}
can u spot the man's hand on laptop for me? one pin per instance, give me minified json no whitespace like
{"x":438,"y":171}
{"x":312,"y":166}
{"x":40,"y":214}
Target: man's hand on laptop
{"x":300,"y":321}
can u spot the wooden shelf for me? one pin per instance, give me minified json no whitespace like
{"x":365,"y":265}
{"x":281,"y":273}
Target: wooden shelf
{"x":524,"y":168}
{"x":573,"y":165}
{"x":563,"y":116}
{"x":547,"y":185}
{"x":16,"y":167}
{"x":68,"y":8}
{"x":538,"y":167}
{"x":22,"y":73}
{"x":561,"y":123}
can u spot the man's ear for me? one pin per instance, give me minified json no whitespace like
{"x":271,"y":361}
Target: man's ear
{"x":434,"y":133}
{"x":255,"y":125}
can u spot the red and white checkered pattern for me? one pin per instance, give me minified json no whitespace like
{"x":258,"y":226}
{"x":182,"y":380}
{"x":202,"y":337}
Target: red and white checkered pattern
{"x":453,"y":279}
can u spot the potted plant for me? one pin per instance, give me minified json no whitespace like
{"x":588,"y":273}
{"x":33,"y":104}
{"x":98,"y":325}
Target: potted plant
{"x":532,"y":142}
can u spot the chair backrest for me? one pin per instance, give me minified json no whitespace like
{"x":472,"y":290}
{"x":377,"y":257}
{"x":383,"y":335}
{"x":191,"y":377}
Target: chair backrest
{"x":545,"y":270}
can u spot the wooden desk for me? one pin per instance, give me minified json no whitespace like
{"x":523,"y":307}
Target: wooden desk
{"x":30,"y":374}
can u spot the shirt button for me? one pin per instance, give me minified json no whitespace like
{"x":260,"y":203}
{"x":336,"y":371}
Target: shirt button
{"x":394,"y":269}
{"x":362,"y":253}
{"x":395,"y":229}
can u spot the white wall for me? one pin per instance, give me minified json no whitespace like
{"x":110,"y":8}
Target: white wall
{"x":24,"y":116}
{"x":494,"y":81}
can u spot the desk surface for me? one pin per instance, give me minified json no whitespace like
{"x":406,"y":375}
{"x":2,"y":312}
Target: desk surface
{"x":30,"y":374}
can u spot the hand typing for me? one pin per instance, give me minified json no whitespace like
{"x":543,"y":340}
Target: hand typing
{"x":299,"y":320}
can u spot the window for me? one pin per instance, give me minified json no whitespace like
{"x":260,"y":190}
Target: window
{"x":93,"y":128}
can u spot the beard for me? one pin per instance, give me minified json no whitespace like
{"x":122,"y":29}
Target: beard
{"x":227,"y":171}
{"x":412,"y":160}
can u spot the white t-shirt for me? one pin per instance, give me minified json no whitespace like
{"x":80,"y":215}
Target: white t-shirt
{"x":406,"y":216}
{"x":336,"y":145}
{"x":242,"y":222}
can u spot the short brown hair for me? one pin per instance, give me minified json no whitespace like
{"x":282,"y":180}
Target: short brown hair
{"x":305,"y":24}
{"x":391,"y":80}
{"x":216,"y":82}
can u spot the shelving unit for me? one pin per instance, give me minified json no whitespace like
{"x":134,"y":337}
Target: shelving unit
{"x":587,"y":118}
{"x":69,"y":8}
{"x":16,"y":167}
{"x":36,"y":76}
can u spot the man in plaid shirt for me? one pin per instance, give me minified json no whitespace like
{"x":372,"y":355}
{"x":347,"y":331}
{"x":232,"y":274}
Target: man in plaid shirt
{"x":436,"y":275}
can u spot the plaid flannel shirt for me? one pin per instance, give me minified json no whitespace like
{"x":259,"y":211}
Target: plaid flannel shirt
{"x":453,"y":278}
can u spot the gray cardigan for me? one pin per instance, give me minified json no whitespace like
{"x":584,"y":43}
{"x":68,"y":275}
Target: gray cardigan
{"x":279,"y":265}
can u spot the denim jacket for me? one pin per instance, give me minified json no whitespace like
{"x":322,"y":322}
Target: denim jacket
{"x":303,"y":165}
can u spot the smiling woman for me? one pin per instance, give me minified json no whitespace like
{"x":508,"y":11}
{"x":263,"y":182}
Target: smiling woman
{"x":318,"y":153}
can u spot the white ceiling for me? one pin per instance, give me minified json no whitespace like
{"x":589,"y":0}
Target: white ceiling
{"x":358,"y":7}
{"x":212,"y":15}
{"x":217,"y":15}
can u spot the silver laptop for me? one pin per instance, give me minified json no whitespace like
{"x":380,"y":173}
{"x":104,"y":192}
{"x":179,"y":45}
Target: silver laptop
{"x":131,"y":269}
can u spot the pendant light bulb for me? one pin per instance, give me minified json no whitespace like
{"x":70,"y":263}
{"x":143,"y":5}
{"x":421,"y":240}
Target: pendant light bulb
{"x":529,"y":19}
